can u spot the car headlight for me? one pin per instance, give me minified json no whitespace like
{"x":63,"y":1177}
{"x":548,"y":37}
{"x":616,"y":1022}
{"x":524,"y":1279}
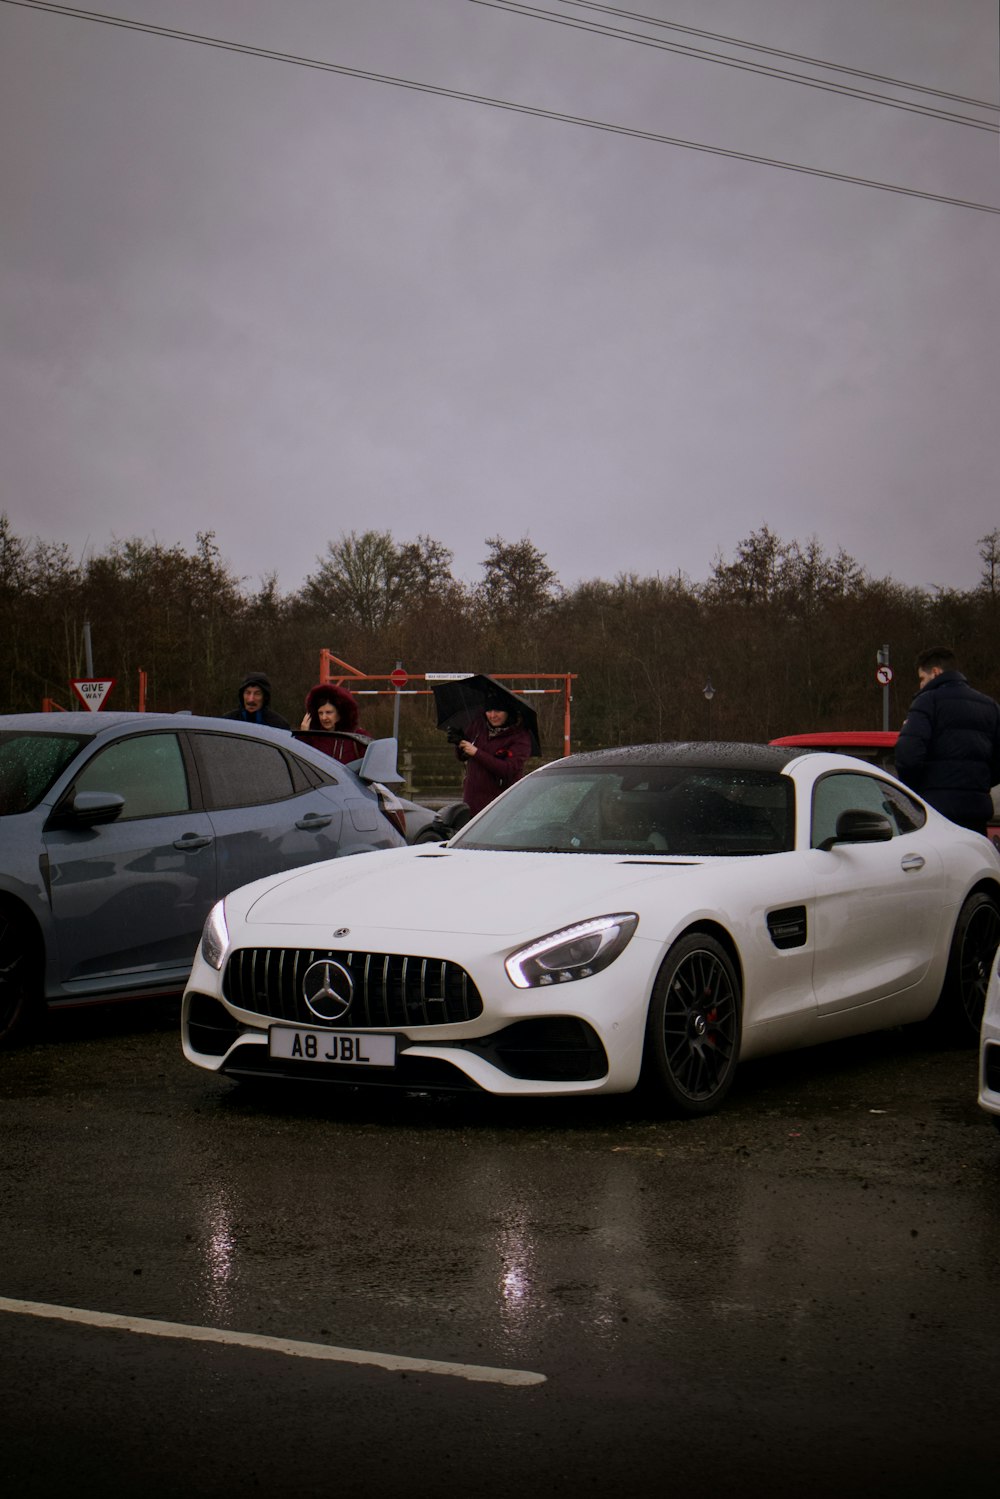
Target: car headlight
{"x":215,"y":937}
{"x":574,"y":952}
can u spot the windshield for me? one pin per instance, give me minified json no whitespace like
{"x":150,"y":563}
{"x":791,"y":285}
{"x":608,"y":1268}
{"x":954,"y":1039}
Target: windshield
{"x":29,"y":763}
{"x":647,"y":810}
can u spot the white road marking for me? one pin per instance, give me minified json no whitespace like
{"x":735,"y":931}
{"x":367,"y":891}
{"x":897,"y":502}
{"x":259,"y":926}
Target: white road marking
{"x":395,"y":1363}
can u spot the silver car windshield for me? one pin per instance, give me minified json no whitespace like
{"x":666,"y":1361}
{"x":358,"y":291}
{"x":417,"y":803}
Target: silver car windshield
{"x":648,"y":810}
{"x":29,"y":763}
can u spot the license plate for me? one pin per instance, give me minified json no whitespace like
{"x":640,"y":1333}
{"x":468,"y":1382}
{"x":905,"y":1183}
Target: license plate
{"x":354,"y":1048}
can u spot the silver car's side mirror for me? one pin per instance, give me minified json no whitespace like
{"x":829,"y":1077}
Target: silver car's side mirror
{"x":88,"y":809}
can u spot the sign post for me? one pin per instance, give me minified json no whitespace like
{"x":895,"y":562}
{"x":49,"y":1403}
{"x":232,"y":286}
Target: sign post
{"x":92,"y":691}
{"x":883,"y":676}
{"x":399,"y":678}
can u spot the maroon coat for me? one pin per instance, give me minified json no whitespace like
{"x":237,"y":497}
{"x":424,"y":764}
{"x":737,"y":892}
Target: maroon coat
{"x":332,"y":742}
{"x":498,"y":761}
{"x":343,"y":747}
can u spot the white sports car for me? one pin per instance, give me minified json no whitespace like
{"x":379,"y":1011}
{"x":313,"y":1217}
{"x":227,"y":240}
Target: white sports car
{"x":989,"y":1047}
{"x":659,"y":912}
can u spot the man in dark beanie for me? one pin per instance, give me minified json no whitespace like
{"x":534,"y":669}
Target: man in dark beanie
{"x":255,"y":700}
{"x":949,"y":746}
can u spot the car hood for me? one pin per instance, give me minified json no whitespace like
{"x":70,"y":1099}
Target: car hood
{"x":460,"y":890}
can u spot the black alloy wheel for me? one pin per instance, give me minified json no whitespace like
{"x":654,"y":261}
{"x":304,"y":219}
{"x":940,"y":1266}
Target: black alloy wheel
{"x":694,"y":1025}
{"x":970,"y":964}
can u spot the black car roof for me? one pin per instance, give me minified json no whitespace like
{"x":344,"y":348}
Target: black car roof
{"x":716,"y":755}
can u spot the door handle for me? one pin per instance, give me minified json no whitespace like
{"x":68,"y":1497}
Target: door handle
{"x":314,"y":820}
{"x":191,"y":841}
{"x":912,"y":861}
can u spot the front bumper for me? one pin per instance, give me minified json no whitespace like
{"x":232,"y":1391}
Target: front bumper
{"x":583,"y":1037}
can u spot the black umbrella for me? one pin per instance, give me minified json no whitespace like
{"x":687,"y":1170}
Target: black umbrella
{"x":460,"y":701}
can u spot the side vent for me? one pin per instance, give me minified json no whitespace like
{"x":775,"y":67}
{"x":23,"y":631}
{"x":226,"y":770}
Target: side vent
{"x":788,"y":927}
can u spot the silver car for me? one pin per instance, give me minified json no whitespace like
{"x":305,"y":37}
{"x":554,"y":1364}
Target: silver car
{"x":119,"y":831}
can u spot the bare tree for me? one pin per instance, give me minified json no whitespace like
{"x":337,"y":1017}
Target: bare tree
{"x":989,"y":552}
{"x":517,"y":579}
{"x":367,"y":580}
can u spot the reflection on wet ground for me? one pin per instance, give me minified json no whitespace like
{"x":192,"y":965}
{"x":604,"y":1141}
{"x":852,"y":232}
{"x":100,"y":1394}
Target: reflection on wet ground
{"x":839,"y":1188}
{"x":810,"y":1274}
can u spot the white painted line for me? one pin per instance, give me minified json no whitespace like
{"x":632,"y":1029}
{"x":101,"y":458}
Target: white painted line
{"x":395,"y":1363}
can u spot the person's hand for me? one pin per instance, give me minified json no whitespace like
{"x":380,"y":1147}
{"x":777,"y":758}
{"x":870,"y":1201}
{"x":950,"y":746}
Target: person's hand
{"x":468,"y":748}
{"x":305,"y":722}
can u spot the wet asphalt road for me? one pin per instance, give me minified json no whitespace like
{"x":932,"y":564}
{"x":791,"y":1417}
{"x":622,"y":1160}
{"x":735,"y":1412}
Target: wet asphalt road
{"x":798,"y":1296}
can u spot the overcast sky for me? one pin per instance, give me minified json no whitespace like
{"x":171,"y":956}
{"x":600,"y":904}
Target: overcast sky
{"x":282,"y":304}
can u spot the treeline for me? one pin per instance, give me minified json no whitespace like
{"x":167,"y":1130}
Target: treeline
{"x":786,"y":634}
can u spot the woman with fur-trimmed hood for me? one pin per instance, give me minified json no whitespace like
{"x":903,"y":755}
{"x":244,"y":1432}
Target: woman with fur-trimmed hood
{"x":332,"y":716}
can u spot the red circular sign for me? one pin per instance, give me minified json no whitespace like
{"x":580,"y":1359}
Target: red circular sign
{"x":398,"y":678}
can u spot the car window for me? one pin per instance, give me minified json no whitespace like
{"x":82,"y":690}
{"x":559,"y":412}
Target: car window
{"x":241,"y":772}
{"x":147,"y":770}
{"x":29,"y":763}
{"x":905,"y":811}
{"x":641,"y":809}
{"x":845,"y":791}
{"x":306,"y":775}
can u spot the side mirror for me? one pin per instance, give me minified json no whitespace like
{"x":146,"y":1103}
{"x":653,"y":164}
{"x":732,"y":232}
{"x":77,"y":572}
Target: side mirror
{"x":444,"y":824}
{"x":454,"y":816}
{"x":88,"y":809}
{"x":379,"y":764}
{"x":856,"y":826}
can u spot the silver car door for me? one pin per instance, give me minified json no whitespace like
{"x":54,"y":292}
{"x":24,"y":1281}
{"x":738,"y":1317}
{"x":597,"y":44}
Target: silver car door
{"x":266,"y":815}
{"x":129,"y":897}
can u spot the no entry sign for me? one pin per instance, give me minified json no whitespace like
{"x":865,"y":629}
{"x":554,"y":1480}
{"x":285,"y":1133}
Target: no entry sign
{"x":398,"y":678}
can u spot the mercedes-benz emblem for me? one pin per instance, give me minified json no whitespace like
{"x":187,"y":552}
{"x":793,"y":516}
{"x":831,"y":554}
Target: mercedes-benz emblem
{"x":327,"y":989}
{"x":342,"y":931}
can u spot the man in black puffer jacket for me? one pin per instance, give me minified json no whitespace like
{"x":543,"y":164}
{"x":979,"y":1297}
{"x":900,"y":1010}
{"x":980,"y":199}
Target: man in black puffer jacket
{"x":949,"y":746}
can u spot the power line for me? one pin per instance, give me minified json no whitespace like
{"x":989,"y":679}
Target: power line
{"x":701,"y":54}
{"x":816,"y":62}
{"x":533,"y":111}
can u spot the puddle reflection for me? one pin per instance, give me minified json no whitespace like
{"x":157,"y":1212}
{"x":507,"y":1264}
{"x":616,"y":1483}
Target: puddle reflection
{"x":219,"y":1256}
{"x":516,"y":1255}
{"x":490,"y":1241}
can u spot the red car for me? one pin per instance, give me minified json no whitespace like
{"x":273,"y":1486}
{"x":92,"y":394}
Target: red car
{"x":875,"y":745}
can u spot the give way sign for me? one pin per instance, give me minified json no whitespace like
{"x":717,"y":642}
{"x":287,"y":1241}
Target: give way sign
{"x":92,"y":690}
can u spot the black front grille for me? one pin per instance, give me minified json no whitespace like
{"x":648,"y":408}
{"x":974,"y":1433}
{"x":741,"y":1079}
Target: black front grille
{"x":389,"y":990}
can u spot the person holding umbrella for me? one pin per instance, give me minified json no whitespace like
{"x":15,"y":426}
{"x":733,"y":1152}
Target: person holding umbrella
{"x":494,"y":747}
